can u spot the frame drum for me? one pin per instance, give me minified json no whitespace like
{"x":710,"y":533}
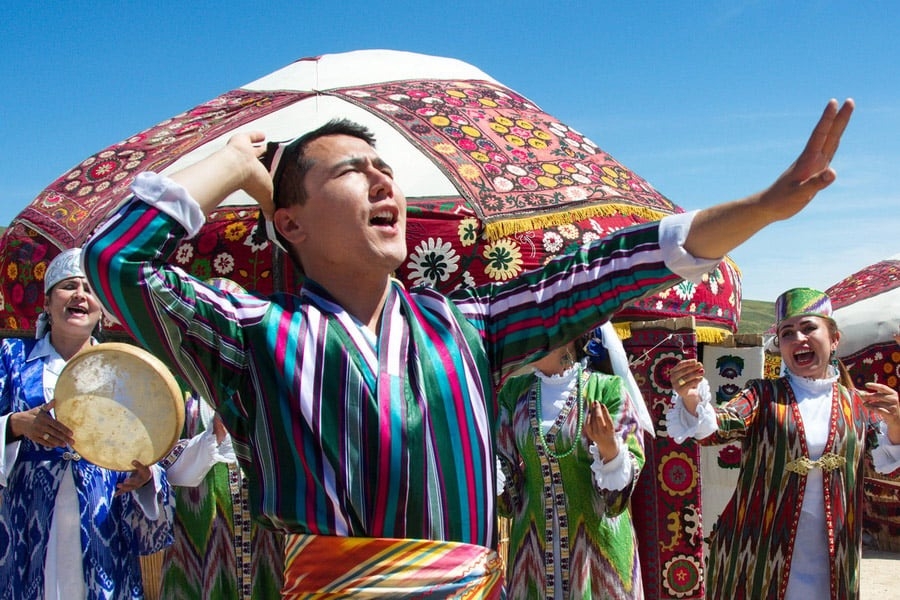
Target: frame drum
{"x":121,"y":403}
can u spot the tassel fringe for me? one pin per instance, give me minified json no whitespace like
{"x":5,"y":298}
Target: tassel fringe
{"x":495,"y":230}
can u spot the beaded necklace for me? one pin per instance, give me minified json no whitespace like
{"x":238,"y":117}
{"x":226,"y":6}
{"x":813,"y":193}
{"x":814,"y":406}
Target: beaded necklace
{"x":579,"y":407}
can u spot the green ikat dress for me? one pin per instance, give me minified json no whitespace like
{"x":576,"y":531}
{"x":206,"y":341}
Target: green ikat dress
{"x":569,"y":537}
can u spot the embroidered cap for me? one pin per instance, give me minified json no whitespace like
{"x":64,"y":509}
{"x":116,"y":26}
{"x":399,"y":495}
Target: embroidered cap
{"x":66,"y":264}
{"x":801,"y":302}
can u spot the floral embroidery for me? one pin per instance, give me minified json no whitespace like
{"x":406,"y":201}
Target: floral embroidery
{"x":469,"y":172}
{"x":553,"y":242}
{"x":504,"y":259}
{"x":432,"y":262}
{"x":235,"y":231}
{"x":682,"y":576}
{"x":223,"y":263}
{"x":184,"y":254}
{"x":677,"y":474}
{"x":468,"y":232}
{"x":729,"y":457}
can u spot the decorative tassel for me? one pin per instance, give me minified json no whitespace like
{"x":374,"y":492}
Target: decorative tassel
{"x":501,"y":228}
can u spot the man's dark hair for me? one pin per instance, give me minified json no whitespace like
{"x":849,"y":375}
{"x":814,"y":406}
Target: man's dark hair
{"x":289,"y":178}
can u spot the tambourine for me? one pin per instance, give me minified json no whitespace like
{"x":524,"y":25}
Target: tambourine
{"x":121,"y":403}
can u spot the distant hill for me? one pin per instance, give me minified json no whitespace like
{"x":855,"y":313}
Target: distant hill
{"x":756,"y":316}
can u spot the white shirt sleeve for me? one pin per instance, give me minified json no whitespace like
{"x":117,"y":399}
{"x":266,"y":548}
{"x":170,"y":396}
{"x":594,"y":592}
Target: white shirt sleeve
{"x":147,"y":496}
{"x":681,"y":424}
{"x":199,"y":455}
{"x":886,"y":457}
{"x":673,"y":232}
{"x":171,"y":198}
{"x":501,"y":479}
{"x":8,"y":452}
{"x":617,"y":473}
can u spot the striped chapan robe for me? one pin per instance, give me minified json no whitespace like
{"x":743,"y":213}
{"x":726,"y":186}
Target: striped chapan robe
{"x":752,"y":543}
{"x":545,"y":496}
{"x":347,"y":433}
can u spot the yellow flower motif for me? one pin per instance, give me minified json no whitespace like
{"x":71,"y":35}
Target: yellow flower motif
{"x":40,"y":270}
{"x":469,"y":172}
{"x":515,"y":140}
{"x":468,"y":231}
{"x":487,"y":102}
{"x":538,"y":133}
{"x":615,"y":177}
{"x":470,"y":131}
{"x":235,"y":231}
{"x":551,"y":169}
{"x":445,"y":148}
{"x":547,"y":181}
{"x":456,"y":93}
{"x":503,"y":259}
{"x":537,"y":144}
{"x":12,"y":323}
{"x":501,"y":129}
{"x":525,"y":124}
{"x":12,"y":271}
{"x":480,"y":156}
{"x":503,"y":121}
{"x":439,"y":121}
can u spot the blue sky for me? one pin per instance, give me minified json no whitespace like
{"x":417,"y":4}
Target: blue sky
{"x":708,"y":101}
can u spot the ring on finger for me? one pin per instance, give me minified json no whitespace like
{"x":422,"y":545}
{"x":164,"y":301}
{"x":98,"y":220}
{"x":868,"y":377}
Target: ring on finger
{"x":46,"y":436}
{"x":681,"y":381}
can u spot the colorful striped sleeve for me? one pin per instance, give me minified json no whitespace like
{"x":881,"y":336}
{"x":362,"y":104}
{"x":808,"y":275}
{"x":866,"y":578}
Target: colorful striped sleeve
{"x":158,"y":303}
{"x":546,"y":308}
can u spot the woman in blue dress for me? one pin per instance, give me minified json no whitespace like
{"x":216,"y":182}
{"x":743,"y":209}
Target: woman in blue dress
{"x":68,"y":528}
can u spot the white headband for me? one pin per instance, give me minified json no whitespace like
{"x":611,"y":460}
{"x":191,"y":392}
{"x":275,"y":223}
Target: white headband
{"x":274,"y":154}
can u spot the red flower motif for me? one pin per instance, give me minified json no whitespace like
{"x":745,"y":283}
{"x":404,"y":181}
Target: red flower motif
{"x":729,"y":457}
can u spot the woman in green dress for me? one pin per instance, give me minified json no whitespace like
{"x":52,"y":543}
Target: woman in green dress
{"x":570,"y":449}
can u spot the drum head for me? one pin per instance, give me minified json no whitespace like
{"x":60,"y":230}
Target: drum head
{"x":121,"y":403}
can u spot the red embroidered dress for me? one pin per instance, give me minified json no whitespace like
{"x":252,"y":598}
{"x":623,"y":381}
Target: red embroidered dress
{"x":754,"y":542}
